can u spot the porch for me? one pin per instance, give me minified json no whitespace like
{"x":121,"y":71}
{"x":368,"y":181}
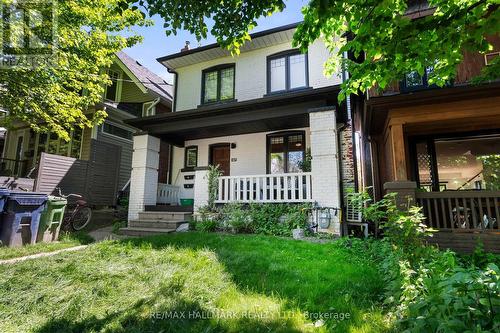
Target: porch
{"x":259,"y":167}
{"x":441,"y":150}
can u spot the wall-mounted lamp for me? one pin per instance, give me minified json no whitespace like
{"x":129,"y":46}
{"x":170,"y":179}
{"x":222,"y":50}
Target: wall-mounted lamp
{"x":233,"y":145}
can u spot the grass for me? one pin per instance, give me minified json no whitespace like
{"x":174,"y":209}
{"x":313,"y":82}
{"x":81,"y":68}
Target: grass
{"x":65,"y":241}
{"x":237,"y":283}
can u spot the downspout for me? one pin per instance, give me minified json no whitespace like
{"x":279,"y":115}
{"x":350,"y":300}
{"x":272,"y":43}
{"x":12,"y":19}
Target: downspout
{"x":153,"y":104}
{"x":174,"y":106}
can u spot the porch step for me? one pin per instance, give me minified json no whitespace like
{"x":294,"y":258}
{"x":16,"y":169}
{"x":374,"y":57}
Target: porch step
{"x":155,"y":224}
{"x":168,"y":208}
{"x":170,"y":216}
{"x":140,"y":232}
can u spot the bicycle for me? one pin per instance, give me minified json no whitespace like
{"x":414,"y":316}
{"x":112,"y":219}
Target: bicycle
{"x":79,"y":215}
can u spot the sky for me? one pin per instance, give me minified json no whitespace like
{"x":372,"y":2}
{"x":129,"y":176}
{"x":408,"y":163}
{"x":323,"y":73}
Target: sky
{"x":157,"y":44}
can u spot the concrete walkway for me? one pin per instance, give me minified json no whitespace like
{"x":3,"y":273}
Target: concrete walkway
{"x":43,"y":254}
{"x":99,"y":235}
{"x":105,"y":233}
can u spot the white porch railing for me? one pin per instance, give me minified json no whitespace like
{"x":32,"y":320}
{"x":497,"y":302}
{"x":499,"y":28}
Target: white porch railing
{"x":276,"y":188}
{"x":167,"y":194}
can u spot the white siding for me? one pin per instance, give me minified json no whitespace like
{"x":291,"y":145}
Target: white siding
{"x":250,"y":155}
{"x":250,"y":74}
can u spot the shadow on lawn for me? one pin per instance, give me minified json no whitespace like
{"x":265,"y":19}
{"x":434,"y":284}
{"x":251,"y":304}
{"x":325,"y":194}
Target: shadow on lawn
{"x":304,"y":276}
{"x":138,"y":318}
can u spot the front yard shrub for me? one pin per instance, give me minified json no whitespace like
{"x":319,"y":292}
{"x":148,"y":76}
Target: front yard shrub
{"x":235,"y":218}
{"x":426,"y":289}
{"x":278,"y":219}
{"x":207,"y":225}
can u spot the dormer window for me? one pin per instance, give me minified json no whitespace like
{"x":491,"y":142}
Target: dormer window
{"x":414,"y":81}
{"x":287,"y":71}
{"x":112,"y":90}
{"x":218,"y":84}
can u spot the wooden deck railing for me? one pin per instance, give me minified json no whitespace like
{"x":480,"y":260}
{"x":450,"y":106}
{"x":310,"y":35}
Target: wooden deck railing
{"x":275,"y":188}
{"x":461,"y":210}
{"x":167,"y":194}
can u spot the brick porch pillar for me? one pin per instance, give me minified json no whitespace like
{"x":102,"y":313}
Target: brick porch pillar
{"x":144,"y":177}
{"x":325,"y":161}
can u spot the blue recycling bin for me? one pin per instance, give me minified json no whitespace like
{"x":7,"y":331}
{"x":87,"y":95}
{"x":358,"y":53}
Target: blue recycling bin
{"x":4,"y":192}
{"x":21,"y":218}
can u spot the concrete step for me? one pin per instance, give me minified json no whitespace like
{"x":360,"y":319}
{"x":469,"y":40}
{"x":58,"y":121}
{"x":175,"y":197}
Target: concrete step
{"x":140,"y":232}
{"x":165,"y":216}
{"x":168,"y":208}
{"x":162,"y":224}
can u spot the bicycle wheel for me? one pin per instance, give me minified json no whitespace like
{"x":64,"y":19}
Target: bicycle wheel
{"x":81,"y":218}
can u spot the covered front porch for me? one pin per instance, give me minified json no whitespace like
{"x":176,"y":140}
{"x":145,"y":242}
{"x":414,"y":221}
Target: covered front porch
{"x":278,"y":154}
{"x":441,"y":150}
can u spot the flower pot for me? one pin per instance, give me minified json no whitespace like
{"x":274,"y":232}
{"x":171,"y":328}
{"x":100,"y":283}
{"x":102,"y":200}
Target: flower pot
{"x":298,"y":233}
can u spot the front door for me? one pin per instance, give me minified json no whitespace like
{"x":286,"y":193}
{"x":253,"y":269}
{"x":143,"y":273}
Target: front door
{"x":220,"y":155}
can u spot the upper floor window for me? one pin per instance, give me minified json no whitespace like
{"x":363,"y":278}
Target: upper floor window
{"x":415,"y":81}
{"x":287,"y":71}
{"x":112,"y":90}
{"x":218,"y":84}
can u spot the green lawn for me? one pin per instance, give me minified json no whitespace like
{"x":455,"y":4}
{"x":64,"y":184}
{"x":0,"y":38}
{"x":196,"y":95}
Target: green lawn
{"x":64,"y":242}
{"x":238,"y":283}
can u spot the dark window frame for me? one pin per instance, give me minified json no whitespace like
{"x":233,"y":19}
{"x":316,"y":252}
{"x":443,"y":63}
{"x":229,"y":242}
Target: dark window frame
{"x":425,"y":83}
{"x":285,"y":135}
{"x":217,"y":69}
{"x":186,"y":166}
{"x":286,"y":54}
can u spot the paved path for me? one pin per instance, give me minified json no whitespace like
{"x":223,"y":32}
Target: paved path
{"x":99,"y":235}
{"x":43,"y":254}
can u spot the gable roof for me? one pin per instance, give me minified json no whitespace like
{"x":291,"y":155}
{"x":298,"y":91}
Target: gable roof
{"x":149,"y":80}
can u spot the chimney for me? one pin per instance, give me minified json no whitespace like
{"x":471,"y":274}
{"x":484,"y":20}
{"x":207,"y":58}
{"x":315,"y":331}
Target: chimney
{"x":186,"y":47}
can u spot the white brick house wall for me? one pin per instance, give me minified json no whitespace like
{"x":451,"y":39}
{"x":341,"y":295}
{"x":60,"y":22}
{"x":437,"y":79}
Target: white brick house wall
{"x":250,"y":74}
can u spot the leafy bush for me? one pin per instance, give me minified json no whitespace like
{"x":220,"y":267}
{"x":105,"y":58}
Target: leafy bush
{"x":235,"y":218}
{"x":426,"y":289}
{"x":207,"y":225}
{"x":117,"y":225}
{"x":277,"y":219}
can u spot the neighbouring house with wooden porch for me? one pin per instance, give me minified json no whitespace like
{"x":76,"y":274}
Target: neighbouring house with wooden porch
{"x":97,"y":161}
{"x":256,"y":115}
{"x":440,"y":147}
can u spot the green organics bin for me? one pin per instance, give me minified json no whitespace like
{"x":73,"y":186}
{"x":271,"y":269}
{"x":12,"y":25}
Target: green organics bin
{"x":51,"y":219}
{"x":187,"y":202}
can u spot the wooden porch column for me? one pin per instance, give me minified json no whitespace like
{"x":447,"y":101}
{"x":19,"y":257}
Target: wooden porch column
{"x":398,"y":152}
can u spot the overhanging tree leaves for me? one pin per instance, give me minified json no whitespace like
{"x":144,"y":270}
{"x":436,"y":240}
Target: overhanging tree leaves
{"x":58,"y":96}
{"x":386,"y":42}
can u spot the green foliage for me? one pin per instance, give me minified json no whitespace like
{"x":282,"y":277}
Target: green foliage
{"x":305,"y":165}
{"x":117,"y":225}
{"x":236,"y":218}
{"x":252,"y":283}
{"x":491,"y":171}
{"x":278,"y":219}
{"x":391,"y":43}
{"x":208,"y":225}
{"x":429,"y":290}
{"x":213,"y":183}
{"x":57,"y":97}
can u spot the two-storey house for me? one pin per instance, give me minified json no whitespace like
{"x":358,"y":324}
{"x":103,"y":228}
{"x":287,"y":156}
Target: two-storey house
{"x":259,"y":116}
{"x":135,"y":92}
